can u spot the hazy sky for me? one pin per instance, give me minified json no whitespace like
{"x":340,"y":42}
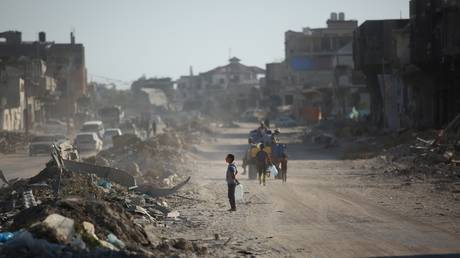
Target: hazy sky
{"x":125,"y":39}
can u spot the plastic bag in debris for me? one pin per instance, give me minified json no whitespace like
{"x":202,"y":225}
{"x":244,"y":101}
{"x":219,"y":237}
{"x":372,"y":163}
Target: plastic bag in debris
{"x":273,"y":171}
{"x":111,"y":238}
{"x":5,"y":236}
{"x":24,"y":240}
{"x":104,"y":183}
{"x":239,"y":192}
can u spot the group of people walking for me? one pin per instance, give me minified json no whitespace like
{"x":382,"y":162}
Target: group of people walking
{"x":275,"y":156}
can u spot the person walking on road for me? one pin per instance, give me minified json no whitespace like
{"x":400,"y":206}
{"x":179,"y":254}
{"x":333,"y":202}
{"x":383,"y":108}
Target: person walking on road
{"x":262,"y":162}
{"x":283,"y":164}
{"x":231,"y":180}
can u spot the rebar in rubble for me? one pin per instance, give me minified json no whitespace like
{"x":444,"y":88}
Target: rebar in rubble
{"x":29,"y":199}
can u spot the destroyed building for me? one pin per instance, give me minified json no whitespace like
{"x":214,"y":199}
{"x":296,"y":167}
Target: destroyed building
{"x":46,"y":67}
{"x":158,"y":92}
{"x":12,"y":101}
{"x":377,"y":56}
{"x":411,"y":65}
{"x":27,"y":93}
{"x":435,"y":50}
{"x":232,"y":88}
{"x":316,"y":76}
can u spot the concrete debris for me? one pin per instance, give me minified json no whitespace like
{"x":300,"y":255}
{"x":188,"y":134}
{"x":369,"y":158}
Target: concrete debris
{"x":100,"y":209}
{"x":29,"y":199}
{"x":59,"y":229}
{"x":115,"y":175}
{"x":154,"y":161}
{"x":159,"y":192}
{"x":173,"y":215}
{"x":415,"y":156}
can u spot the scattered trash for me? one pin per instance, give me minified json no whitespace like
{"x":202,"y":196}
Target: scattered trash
{"x":29,"y":199}
{"x":111,"y":238}
{"x":104,"y":183}
{"x":173,"y":214}
{"x":79,"y":207}
{"x":5,"y":236}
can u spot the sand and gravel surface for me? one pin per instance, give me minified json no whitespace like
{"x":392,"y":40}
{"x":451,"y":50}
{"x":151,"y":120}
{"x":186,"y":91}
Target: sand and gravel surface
{"x":328,"y":208}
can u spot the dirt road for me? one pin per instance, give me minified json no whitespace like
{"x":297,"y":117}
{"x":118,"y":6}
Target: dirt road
{"x":323,"y":211}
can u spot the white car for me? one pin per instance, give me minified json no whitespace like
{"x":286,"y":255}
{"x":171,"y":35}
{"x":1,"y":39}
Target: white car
{"x":108,"y":136}
{"x":88,"y":142}
{"x":93,"y":127}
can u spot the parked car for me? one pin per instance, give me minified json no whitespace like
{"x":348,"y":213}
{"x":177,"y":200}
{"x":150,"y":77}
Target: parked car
{"x":93,"y":127}
{"x":41,"y":144}
{"x":108,"y":134}
{"x":285,"y":121}
{"x":88,"y":142}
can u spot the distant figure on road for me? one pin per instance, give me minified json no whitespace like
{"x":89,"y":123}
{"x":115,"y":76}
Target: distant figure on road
{"x":262,"y":162}
{"x":231,"y":180}
{"x":283,"y":165}
{"x":154,"y":128}
{"x":247,"y":155}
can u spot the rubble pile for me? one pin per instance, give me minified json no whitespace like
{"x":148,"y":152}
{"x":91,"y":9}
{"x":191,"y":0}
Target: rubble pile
{"x":423,"y":158}
{"x":10,"y":141}
{"x":62,"y":213}
{"x":196,"y":130}
{"x":331,"y":133}
{"x":410,"y":156}
{"x":152,"y":160}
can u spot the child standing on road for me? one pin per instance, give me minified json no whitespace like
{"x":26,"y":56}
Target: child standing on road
{"x":231,"y":180}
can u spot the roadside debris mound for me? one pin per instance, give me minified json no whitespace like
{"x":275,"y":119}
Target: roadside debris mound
{"x":152,"y":160}
{"x":331,"y":133}
{"x":107,"y":217}
{"x":421,"y":157}
{"x":69,"y":209}
{"x":415,"y":156}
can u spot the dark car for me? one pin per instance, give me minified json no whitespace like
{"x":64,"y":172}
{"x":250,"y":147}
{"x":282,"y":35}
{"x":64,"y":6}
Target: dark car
{"x":41,"y":144}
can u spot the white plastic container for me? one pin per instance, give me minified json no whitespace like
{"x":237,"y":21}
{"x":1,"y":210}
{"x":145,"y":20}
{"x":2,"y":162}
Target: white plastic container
{"x":273,"y":171}
{"x":239,"y":192}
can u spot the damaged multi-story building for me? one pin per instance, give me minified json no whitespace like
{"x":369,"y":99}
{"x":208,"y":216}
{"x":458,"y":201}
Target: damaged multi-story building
{"x":12,"y":99}
{"x":53,"y":74}
{"x":230,"y":89}
{"x":412,"y":65}
{"x":379,"y":53}
{"x":315,"y":79}
{"x":158,"y":92}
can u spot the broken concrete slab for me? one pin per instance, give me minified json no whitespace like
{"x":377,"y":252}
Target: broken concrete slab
{"x":159,"y":192}
{"x":115,"y":175}
{"x":56,"y":228}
